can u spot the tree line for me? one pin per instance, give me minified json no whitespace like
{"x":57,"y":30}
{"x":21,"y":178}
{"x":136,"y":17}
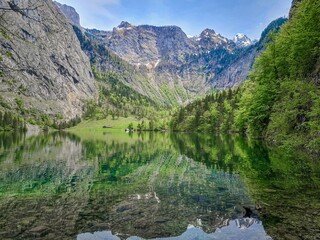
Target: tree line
{"x":10,"y":122}
{"x":280,"y":101}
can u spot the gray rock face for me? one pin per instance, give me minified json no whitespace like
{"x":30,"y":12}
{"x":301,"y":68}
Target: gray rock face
{"x":145,"y":44}
{"x":235,"y":73}
{"x":167,"y":66}
{"x":177,"y":67}
{"x":142,"y":45}
{"x":209,"y":40}
{"x":43,"y":63}
{"x":70,"y":13}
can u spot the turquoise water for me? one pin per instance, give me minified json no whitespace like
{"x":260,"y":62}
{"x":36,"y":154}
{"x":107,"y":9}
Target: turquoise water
{"x":154,"y":186}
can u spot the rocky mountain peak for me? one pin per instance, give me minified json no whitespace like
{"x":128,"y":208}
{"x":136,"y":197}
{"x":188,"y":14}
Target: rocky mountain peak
{"x":208,"y":32}
{"x":145,"y":44}
{"x":70,"y":13}
{"x":241,"y":40}
{"x":209,"y":39}
{"x":125,"y":25}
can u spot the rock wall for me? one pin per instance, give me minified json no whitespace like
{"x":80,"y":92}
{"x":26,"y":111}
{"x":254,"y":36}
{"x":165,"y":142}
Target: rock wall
{"x":41,"y":59}
{"x":70,"y":13}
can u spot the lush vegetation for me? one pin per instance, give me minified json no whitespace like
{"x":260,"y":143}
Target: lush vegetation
{"x":117,"y":99}
{"x":274,"y":26}
{"x":10,"y":121}
{"x":280,"y":101}
{"x":214,"y":113}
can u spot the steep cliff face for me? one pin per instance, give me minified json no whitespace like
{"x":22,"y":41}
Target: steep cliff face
{"x":177,"y":67}
{"x":70,"y":13}
{"x":209,"y":40}
{"x":166,"y":65}
{"x":142,"y":45}
{"x":41,"y":62}
{"x":236,"y":70}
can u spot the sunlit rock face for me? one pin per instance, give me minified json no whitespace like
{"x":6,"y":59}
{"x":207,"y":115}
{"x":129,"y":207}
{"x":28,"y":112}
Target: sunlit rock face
{"x":44,"y":64}
{"x":163,"y":63}
{"x":70,"y":13}
{"x":177,"y":67}
{"x":146,"y":44}
{"x":175,"y":57}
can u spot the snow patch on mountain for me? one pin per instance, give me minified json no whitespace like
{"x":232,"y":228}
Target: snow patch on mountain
{"x":241,"y":40}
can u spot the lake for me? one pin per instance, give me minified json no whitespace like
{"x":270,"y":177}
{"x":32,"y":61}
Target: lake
{"x":155,"y":186}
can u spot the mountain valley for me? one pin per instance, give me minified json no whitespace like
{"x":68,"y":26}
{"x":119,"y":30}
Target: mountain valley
{"x":153,"y":131}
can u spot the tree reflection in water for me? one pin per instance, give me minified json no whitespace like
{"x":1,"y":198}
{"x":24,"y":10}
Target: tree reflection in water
{"x":152,"y":185}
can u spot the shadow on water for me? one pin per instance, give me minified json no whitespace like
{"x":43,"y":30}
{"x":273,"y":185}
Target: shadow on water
{"x":154,"y":185}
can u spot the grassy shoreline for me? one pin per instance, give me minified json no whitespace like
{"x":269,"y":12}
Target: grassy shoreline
{"x":116,"y":125}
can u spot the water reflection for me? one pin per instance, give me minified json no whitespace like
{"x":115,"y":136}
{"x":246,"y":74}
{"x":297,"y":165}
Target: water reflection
{"x":240,"y":229}
{"x":60,"y":186}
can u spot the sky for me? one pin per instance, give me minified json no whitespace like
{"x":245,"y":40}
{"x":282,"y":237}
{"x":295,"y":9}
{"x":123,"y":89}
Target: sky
{"x":227,"y":17}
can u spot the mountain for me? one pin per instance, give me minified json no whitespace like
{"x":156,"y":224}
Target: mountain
{"x":242,"y":40}
{"x":51,"y":66}
{"x":209,"y":40}
{"x":280,"y":100}
{"x":169,"y":67}
{"x":43,"y":69}
{"x":143,"y":45}
{"x":166,"y":65}
{"x":70,"y":13}
{"x":177,"y":67}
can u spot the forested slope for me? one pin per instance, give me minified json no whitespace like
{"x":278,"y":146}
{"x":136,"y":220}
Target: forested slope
{"x":281,"y":99}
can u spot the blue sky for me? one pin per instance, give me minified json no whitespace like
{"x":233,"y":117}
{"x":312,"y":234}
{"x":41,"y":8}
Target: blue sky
{"x":227,"y":17}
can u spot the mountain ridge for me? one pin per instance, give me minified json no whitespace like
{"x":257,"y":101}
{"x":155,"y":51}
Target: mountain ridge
{"x":178,"y":68}
{"x":159,"y":65}
{"x":169,"y":57}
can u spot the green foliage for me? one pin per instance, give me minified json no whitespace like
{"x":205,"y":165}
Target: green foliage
{"x":130,"y":126}
{"x":60,"y":125}
{"x":291,"y":115}
{"x":4,"y":104}
{"x":118,"y":100}
{"x":169,"y":94}
{"x":280,"y":101}
{"x":281,"y":97}
{"x":214,"y":113}
{"x":20,"y":105}
{"x":11,"y":122}
{"x":274,"y":26}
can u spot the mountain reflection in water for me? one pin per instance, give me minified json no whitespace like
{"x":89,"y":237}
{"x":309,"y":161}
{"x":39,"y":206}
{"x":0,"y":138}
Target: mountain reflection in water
{"x":154,"y":185}
{"x":240,"y":229}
